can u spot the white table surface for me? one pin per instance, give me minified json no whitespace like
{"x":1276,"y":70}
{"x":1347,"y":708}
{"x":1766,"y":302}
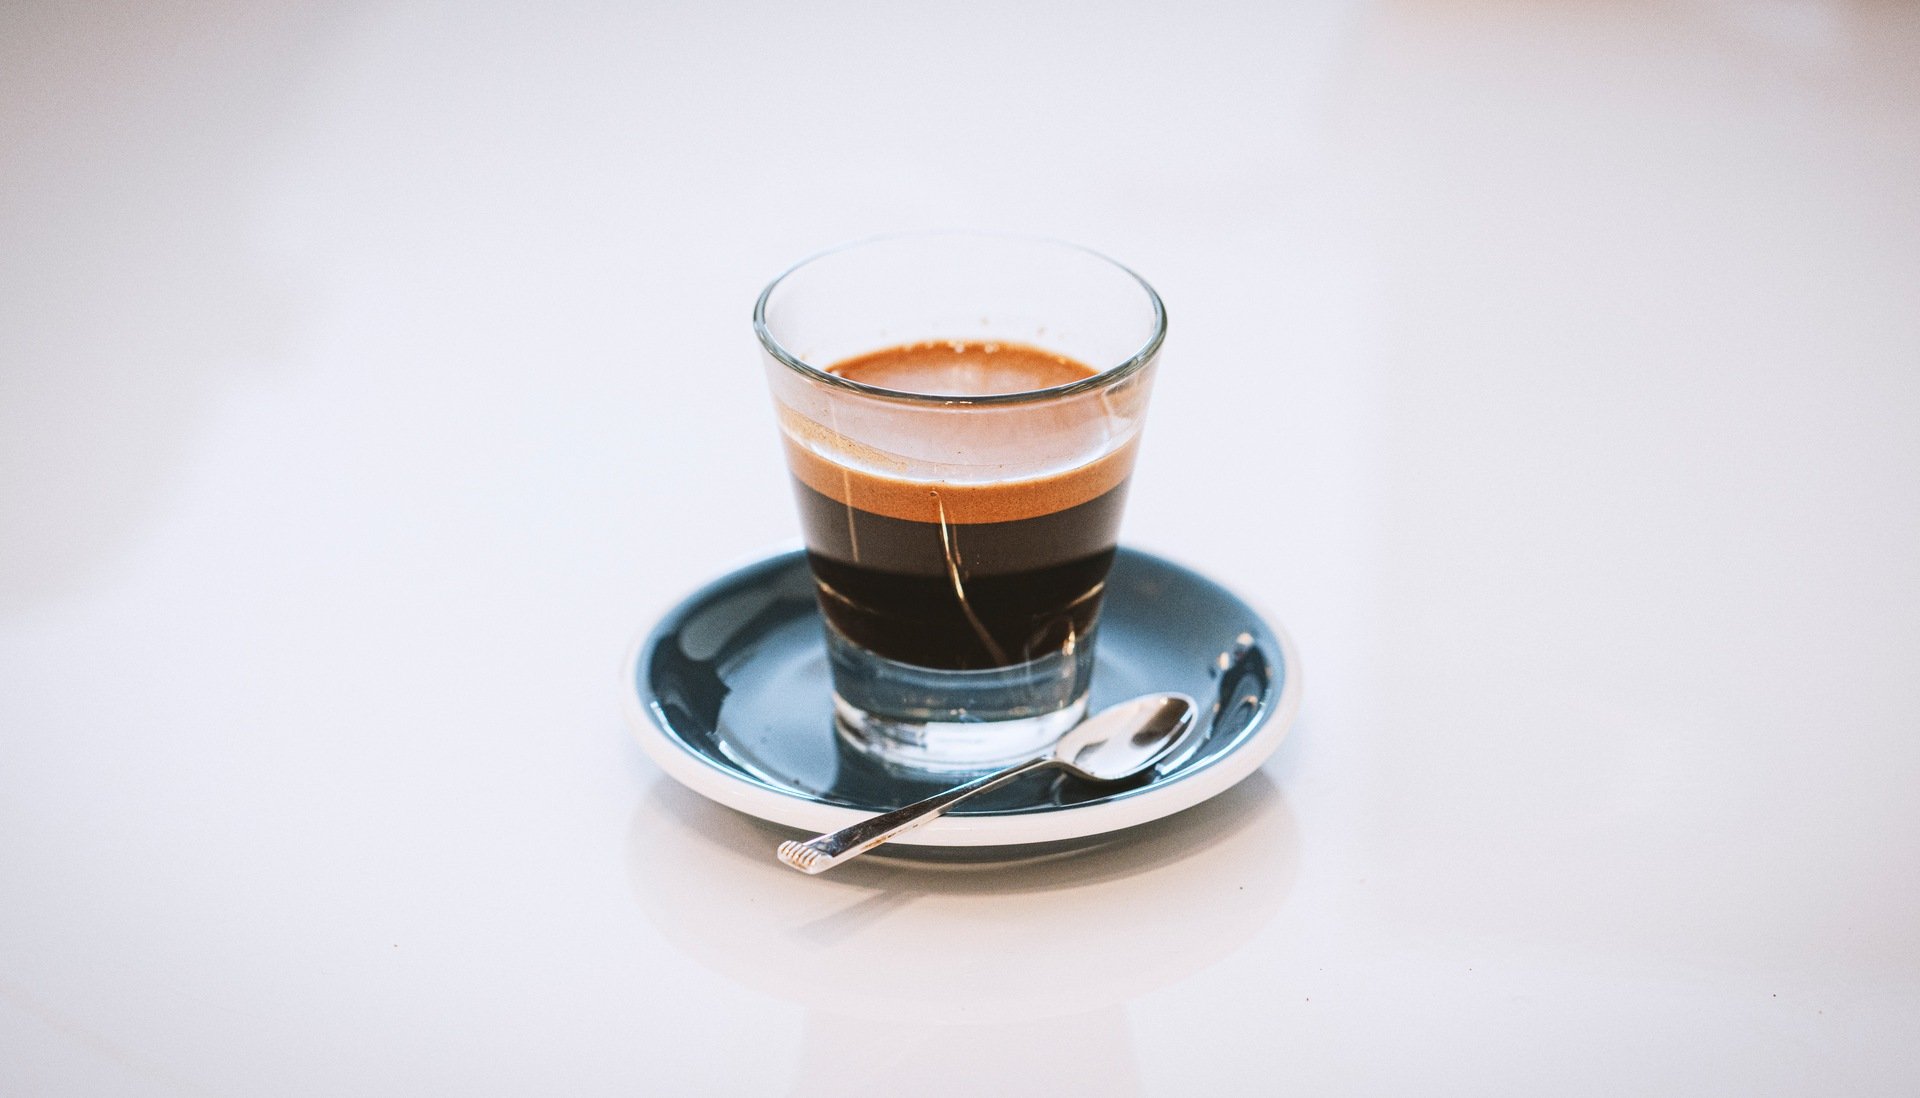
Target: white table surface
{"x":371,"y":373}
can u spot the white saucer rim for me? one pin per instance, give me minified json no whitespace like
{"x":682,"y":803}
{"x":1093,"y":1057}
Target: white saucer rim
{"x":1191,"y":787}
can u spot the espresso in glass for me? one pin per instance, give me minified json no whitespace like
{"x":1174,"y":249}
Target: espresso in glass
{"x":961,"y":576}
{"x":960,"y":414}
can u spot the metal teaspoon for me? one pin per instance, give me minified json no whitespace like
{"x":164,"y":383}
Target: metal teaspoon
{"x":1115,"y":743}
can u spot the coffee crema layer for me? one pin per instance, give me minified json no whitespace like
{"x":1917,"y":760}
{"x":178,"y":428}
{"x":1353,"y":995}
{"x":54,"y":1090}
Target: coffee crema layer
{"x":962,"y":368}
{"x":877,"y":480}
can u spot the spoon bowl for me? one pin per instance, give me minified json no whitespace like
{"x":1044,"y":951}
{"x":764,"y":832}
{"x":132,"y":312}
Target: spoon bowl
{"x":1125,"y":739}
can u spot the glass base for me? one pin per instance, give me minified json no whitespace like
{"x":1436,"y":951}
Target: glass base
{"x":956,"y":722}
{"x":953,"y":747}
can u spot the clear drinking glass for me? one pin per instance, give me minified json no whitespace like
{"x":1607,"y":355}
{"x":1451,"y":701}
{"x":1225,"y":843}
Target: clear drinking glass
{"x":959,"y":538}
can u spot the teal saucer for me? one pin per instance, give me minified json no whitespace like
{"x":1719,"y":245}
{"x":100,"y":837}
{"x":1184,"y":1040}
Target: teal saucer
{"x":730,"y":695}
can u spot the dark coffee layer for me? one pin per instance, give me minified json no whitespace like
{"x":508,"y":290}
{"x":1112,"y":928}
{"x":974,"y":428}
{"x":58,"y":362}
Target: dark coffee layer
{"x":884,"y":543}
{"x":961,"y":596}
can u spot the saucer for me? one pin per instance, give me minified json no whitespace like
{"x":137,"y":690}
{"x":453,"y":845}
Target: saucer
{"x":731,"y":696}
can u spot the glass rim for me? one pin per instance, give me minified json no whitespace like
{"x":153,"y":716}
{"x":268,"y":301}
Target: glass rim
{"x":1097,"y":380}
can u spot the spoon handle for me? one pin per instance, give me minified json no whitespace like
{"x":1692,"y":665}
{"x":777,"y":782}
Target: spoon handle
{"x":826,"y":851}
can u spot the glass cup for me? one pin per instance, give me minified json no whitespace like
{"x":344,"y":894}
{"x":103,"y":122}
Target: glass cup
{"x":959,"y":538}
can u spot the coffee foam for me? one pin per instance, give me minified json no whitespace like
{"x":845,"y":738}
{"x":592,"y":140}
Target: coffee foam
{"x":962,"y":368}
{"x":959,"y":502}
{"x":1049,"y":457}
